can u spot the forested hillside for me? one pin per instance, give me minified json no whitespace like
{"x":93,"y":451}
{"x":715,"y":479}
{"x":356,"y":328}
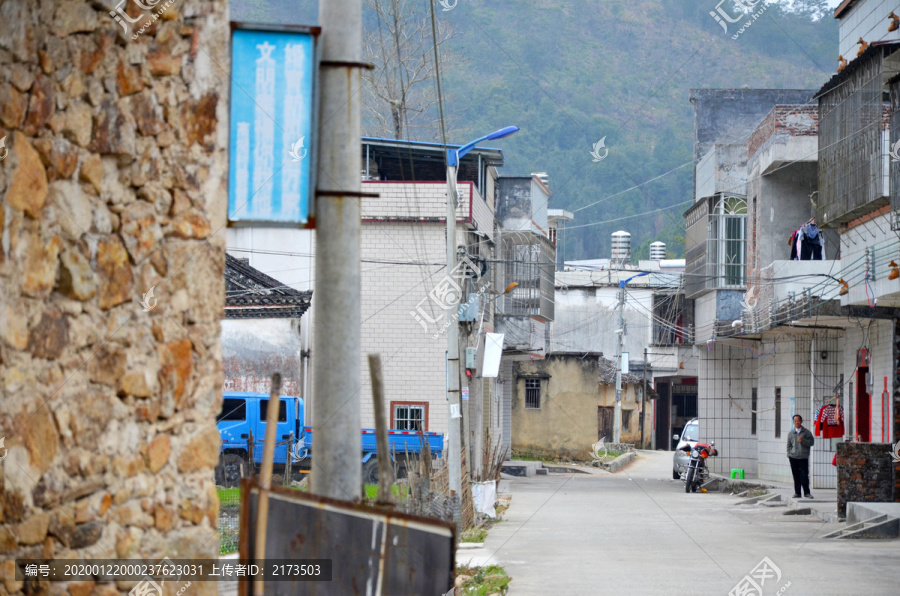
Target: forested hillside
{"x":569,"y":73}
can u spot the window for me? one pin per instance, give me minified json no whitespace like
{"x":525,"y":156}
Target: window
{"x":264,"y":410}
{"x":691,"y":433}
{"x":777,"y":412}
{"x":233,"y":409}
{"x":532,"y":394}
{"x":753,"y":408}
{"x":409,"y":416}
{"x":726,"y":241}
{"x":626,"y":420}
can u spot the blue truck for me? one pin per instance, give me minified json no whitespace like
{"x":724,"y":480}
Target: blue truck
{"x":243,"y":418}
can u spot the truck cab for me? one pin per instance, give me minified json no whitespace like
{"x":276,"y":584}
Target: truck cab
{"x":243,"y":416}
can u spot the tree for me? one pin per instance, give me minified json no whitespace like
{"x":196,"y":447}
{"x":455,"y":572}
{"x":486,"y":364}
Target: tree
{"x":401,"y":90}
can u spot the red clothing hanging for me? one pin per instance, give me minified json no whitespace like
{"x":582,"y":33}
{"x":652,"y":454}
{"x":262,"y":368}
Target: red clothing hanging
{"x":830,"y":422}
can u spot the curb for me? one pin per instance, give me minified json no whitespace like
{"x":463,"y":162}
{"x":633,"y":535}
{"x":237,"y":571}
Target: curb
{"x":620,"y":462}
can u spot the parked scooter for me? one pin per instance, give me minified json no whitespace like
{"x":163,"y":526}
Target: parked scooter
{"x":697,"y":473}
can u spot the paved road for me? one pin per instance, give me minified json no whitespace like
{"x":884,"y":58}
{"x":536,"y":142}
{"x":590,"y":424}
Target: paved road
{"x":638,"y":532}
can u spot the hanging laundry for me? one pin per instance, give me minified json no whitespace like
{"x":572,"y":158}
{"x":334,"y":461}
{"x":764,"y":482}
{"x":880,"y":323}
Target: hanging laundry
{"x":829,"y":422}
{"x":792,"y":242}
{"x":810,"y":243}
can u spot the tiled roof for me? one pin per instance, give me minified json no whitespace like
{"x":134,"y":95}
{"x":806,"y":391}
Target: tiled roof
{"x":250,"y":293}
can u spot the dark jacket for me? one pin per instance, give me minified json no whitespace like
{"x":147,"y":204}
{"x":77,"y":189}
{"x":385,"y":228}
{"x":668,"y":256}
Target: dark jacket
{"x":795,"y":448}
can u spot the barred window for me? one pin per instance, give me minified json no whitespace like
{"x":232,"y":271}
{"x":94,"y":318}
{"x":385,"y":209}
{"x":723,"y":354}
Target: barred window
{"x":533,"y":394}
{"x":409,"y":417}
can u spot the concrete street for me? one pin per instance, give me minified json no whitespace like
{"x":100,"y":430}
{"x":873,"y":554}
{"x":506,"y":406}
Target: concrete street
{"x":638,"y":532}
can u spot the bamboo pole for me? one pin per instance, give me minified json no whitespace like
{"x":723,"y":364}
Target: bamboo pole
{"x":385,"y":473}
{"x":265,"y":479}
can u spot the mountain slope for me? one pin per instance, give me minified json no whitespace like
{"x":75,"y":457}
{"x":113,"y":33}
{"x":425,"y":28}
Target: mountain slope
{"x":569,"y":73}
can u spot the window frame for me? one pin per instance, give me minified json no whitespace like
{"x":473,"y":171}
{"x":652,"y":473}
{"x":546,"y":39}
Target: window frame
{"x":536,"y":385}
{"x":409,"y":404}
{"x":240,"y":409}
{"x":264,"y":410}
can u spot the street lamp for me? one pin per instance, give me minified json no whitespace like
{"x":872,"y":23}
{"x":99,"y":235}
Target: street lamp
{"x":617,"y":420}
{"x":454,"y":442}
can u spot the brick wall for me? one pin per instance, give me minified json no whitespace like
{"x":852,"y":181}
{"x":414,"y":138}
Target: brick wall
{"x":792,"y":121}
{"x":865,"y":474}
{"x":114,"y":185}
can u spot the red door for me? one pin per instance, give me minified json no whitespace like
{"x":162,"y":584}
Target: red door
{"x":863,"y":406}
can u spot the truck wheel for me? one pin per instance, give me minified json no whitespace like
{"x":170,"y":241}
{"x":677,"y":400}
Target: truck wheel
{"x":233,"y":469}
{"x":370,"y":471}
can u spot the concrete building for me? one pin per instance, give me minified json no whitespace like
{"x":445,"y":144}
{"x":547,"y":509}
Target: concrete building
{"x":526,"y":258}
{"x":788,"y":336}
{"x":656,"y":320}
{"x":563,"y":404}
{"x":405,"y":283}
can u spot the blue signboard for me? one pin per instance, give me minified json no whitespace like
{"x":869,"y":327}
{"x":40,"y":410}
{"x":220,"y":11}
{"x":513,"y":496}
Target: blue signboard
{"x":271,"y":146}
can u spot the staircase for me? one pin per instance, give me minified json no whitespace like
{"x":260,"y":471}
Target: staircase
{"x":882,"y":526}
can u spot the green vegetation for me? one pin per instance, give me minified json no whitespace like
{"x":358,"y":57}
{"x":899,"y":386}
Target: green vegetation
{"x":476,"y":535}
{"x":481,"y":581}
{"x":400,"y":492}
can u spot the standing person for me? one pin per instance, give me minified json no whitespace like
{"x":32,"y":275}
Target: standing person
{"x":799,"y":442}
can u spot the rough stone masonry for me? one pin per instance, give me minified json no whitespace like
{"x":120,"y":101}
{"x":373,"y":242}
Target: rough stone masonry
{"x":113,"y":184}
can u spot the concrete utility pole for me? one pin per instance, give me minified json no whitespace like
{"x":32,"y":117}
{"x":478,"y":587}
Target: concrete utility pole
{"x":620,"y":338}
{"x":336,"y":469}
{"x":617,"y":420}
{"x":643,"y":398}
{"x":454,"y":440}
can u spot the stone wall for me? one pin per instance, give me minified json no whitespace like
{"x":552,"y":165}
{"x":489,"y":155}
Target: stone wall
{"x":865,"y":474}
{"x":111,"y":280}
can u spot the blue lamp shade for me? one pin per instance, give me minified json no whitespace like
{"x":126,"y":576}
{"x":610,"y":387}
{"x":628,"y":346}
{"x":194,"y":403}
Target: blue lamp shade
{"x":503,"y":132}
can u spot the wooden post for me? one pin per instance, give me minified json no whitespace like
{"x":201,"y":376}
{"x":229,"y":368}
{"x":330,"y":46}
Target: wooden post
{"x":289,"y":460}
{"x":265,"y":478}
{"x":385,"y":473}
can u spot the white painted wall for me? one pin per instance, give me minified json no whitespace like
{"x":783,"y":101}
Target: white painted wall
{"x":586,"y":320}
{"x":875,"y":234}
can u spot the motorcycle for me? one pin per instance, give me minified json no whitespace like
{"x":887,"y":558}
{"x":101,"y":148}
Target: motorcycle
{"x":697,"y":473}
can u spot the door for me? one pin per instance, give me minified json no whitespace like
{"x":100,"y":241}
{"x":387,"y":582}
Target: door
{"x":282,"y":432}
{"x":863,"y":406}
{"x":663,"y":420}
{"x":605,"y":417}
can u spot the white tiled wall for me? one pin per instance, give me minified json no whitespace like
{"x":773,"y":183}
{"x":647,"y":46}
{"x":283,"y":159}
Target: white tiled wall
{"x":724,"y":390}
{"x":414,"y":363}
{"x":867,"y":19}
